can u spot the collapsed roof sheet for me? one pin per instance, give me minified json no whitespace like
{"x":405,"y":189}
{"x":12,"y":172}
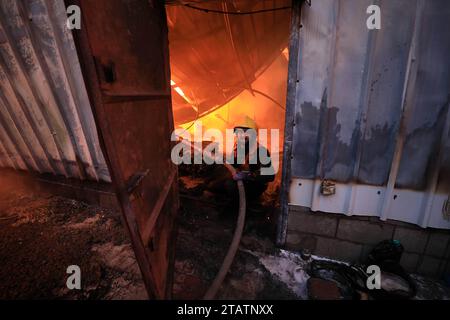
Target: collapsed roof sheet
{"x":215,"y":56}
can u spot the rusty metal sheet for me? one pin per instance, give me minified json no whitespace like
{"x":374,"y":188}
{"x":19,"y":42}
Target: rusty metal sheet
{"x":47,"y":123}
{"x":136,"y":74}
{"x":134,"y":115}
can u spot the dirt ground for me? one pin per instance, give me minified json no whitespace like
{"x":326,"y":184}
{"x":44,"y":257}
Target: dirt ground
{"x":41,"y":235}
{"x":205,"y":232}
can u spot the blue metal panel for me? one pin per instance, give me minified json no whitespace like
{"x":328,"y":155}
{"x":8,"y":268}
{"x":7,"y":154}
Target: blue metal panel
{"x":430,"y":96}
{"x":355,"y":90}
{"x":389,"y":63}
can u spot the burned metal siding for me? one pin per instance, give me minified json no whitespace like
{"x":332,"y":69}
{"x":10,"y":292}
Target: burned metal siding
{"x":46,"y":122}
{"x":371,"y":112}
{"x":366,"y":98}
{"x":430,"y":95}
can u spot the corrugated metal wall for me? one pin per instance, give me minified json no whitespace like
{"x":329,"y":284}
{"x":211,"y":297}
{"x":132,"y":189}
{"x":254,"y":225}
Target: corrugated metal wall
{"x":46,"y":122}
{"x":371,"y":107}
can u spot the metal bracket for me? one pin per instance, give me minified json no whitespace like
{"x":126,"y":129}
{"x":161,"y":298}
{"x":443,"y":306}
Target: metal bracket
{"x":136,"y":180}
{"x":327,"y":188}
{"x":106,"y":71}
{"x":162,"y":198}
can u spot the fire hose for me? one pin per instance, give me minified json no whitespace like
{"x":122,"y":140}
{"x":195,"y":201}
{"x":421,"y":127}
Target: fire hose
{"x":212,"y":291}
{"x":226,"y":264}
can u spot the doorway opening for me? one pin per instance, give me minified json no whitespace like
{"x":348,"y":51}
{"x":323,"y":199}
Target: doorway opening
{"x":229,"y":63}
{"x":229,"y":66}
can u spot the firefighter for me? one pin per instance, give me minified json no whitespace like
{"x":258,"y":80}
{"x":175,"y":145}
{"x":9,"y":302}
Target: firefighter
{"x":255,"y":181}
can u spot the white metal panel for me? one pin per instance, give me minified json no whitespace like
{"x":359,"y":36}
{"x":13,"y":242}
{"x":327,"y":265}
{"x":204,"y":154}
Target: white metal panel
{"x":46,"y":118}
{"x":407,"y":205}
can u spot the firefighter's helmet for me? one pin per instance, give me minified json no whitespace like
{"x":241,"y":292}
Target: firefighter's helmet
{"x":245,"y":123}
